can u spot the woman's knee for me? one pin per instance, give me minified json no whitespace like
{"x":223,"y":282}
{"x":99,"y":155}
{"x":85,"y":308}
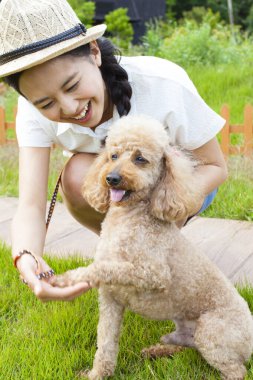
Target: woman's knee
{"x":73,"y":176}
{"x":71,"y":189}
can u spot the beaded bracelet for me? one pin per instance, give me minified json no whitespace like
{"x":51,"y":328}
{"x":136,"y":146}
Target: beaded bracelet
{"x":20,"y":254}
{"x":41,"y":275}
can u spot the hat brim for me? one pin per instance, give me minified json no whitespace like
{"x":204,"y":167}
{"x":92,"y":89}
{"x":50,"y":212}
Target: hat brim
{"x":37,"y":58}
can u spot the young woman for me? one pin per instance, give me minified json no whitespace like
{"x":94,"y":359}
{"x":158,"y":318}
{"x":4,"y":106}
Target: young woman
{"x":72,"y":88}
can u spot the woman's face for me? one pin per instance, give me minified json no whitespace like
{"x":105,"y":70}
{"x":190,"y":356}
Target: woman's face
{"x":69,"y":89}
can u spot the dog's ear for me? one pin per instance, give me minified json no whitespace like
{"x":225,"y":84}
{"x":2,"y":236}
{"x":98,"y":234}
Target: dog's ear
{"x":93,"y":190}
{"x":177,"y":194}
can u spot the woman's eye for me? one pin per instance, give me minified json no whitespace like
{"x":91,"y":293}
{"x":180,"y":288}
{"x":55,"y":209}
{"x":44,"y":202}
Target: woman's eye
{"x":114,"y":156}
{"x":45,"y":107}
{"x":72,"y":87}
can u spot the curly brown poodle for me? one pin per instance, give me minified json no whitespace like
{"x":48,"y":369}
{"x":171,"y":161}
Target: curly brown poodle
{"x":145,"y":264}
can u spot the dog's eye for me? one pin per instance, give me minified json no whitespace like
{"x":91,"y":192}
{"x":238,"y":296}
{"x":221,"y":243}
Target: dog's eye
{"x":114,"y":156}
{"x":140,"y":160}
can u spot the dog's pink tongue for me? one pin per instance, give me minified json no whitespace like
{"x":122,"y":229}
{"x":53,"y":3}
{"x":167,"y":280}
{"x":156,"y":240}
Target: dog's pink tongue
{"x":117,"y":195}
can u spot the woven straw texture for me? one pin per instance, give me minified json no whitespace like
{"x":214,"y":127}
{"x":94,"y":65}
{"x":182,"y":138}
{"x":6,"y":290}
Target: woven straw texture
{"x":26,"y":21}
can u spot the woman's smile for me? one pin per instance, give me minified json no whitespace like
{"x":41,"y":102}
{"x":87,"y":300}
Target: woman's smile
{"x":83,"y":113}
{"x":83,"y":116}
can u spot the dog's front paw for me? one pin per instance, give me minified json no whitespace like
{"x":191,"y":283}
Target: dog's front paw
{"x":61,"y":280}
{"x":71,"y":277}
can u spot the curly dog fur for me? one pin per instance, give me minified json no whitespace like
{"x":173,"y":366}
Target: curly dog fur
{"x":145,"y":264}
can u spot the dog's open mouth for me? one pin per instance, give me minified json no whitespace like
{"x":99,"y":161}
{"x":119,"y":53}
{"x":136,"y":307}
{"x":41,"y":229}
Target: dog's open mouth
{"x":118,"y":195}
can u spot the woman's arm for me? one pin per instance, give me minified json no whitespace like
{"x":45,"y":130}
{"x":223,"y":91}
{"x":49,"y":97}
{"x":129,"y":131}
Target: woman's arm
{"x":28,"y":227}
{"x":213,"y":172}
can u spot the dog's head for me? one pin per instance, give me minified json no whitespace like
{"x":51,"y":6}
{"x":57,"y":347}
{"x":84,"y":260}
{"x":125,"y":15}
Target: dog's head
{"x":138,"y":164}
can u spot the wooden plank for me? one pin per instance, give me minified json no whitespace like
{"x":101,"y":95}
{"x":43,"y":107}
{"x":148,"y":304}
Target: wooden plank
{"x":227,"y":243}
{"x":80,"y":243}
{"x":236,"y":129}
{"x":248,"y":130}
{"x":235,"y":150}
{"x":10,"y":125}
{"x":2,"y":126}
{"x":225,"y":142}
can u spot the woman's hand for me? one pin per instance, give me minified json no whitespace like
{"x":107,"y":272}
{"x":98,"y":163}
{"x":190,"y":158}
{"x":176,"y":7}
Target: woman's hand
{"x":29,"y":270}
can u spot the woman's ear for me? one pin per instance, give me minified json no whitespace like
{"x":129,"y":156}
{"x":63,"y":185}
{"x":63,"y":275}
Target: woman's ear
{"x":95,"y":53}
{"x":93,"y":190}
{"x":178,"y":194}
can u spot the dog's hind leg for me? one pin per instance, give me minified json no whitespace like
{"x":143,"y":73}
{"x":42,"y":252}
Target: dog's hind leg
{"x":160,"y":350}
{"x":108,"y":332}
{"x":173,"y":342}
{"x":183,"y":335}
{"x":224,"y":338}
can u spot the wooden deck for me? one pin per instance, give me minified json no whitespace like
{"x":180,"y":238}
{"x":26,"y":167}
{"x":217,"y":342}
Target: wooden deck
{"x":228,"y":243}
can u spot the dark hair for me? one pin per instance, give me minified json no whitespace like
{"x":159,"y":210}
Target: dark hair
{"x":114,"y":76}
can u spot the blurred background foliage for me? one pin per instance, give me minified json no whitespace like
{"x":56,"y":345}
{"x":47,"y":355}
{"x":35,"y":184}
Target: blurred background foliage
{"x":191,"y":32}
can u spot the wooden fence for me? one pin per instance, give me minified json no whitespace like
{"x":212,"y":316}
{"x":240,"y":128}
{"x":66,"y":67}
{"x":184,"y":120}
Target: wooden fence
{"x":245,"y":129}
{"x":6,"y":126}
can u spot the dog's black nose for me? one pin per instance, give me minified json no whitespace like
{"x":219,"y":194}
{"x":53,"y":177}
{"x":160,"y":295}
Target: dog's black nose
{"x":113,"y":179}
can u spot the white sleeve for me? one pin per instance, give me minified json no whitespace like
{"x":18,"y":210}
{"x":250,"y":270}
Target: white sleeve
{"x":190,"y":121}
{"x":32,"y":128}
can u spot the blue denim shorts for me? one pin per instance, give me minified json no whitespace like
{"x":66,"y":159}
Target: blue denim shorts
{"x":208,"y":200}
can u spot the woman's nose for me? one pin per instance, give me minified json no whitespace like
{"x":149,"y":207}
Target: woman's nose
{"x":68,"y":106}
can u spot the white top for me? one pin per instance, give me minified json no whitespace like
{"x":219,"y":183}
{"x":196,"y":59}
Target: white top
{"x":161,"y":89}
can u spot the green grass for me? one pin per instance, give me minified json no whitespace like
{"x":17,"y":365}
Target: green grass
{"x":45,"y":341}
{"x":226,"y":84}
{"x":10,"y":102}
{"x":234,"y":198}
{"x":9,"y":170}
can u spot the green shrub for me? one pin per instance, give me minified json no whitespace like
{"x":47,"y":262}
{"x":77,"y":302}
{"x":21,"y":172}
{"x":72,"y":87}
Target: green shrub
{"x":198,"y":40}
{"x":201,"y":14}
{"x":249,"y":20}
{"x":85,"y":10}
{"x":120,"y":28}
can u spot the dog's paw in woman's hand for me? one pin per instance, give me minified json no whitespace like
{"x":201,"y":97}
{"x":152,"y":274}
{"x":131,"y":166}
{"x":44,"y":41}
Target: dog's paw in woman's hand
{"x":73,"y":277}
{"x":61,"y":280}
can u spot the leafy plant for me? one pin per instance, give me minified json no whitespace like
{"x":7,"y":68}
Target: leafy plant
{"x":85,"y":10}
{"x":249,"y":20}
{"x":201,"y":14}
{"x":120,"y":27}
{"x":202,"y":38}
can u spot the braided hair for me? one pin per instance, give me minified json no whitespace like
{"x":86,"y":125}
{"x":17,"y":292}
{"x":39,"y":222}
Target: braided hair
{"x":115,"y":77}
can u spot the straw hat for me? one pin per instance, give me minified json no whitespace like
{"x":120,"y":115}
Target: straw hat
{"x":34,"y":31}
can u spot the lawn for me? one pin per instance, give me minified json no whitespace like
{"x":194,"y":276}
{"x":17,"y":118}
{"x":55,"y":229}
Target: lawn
{"x":45,"y":341}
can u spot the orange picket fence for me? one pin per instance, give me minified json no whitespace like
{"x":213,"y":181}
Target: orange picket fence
{"x":245,"y":130}
{"x":6,"y":126}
